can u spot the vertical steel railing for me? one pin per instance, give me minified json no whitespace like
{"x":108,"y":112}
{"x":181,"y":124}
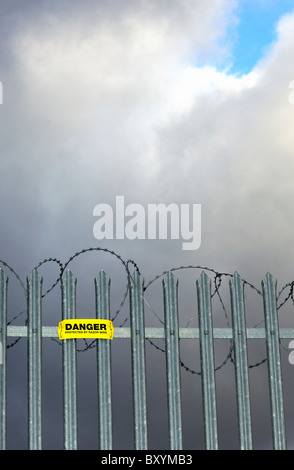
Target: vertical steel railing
{"x":103,"y":346}
{"x":172,"y":355}
{"x":137,"y":333}
{"x":241,"y":362}
{"x":34,"y":331}
{"x":274,"y":362}
{"x":138,"y":361}
{"x":207,"y":361}
{"x":3,"y":336}
{"x":68,"y":287}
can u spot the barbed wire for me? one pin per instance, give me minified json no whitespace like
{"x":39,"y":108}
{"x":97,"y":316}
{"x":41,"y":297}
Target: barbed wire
{"x":216,"y":282}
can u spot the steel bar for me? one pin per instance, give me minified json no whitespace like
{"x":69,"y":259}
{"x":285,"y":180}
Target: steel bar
{"x":170,"y":287}
{"x":207,"y":362}
{"x":3,"y":332}
{"x":68,"y":287}
{"x":241,"y":362}
{"x":185,"y":333}
{"x":138,"y":362}
{"x":274,"y":362}
{"x":103,"y":347}
{"x":34,"y":327}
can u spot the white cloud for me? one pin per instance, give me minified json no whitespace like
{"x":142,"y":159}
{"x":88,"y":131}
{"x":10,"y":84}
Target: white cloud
{"x":101,"y":84}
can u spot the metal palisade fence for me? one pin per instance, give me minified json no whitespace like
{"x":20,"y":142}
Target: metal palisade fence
{"x":171,"y":333}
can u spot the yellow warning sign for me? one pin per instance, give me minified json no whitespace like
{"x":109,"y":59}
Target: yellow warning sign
{"x":85,"y":328}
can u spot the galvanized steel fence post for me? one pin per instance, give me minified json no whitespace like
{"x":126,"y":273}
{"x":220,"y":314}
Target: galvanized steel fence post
{"x":34,"y":299}
{"x":103,"y":346}
{"x":138,"y":361}
{"x":274,"y":361}
{"x":171,"y":323}
{"x":3,"y":336}
{"x":68,"y":287}
{"x":207,"y":361}
{"x":240,"y":362}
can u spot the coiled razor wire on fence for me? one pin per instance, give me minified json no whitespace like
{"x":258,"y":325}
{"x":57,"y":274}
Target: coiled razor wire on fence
{"x":217,"y":281}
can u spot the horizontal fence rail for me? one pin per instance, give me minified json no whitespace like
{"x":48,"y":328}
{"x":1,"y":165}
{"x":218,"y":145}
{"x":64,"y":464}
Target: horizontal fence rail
{"x":159,"y":333}
{"x":171,"y":333}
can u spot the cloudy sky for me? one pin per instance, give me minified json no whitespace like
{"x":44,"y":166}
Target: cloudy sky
{"x":179,"y":101}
